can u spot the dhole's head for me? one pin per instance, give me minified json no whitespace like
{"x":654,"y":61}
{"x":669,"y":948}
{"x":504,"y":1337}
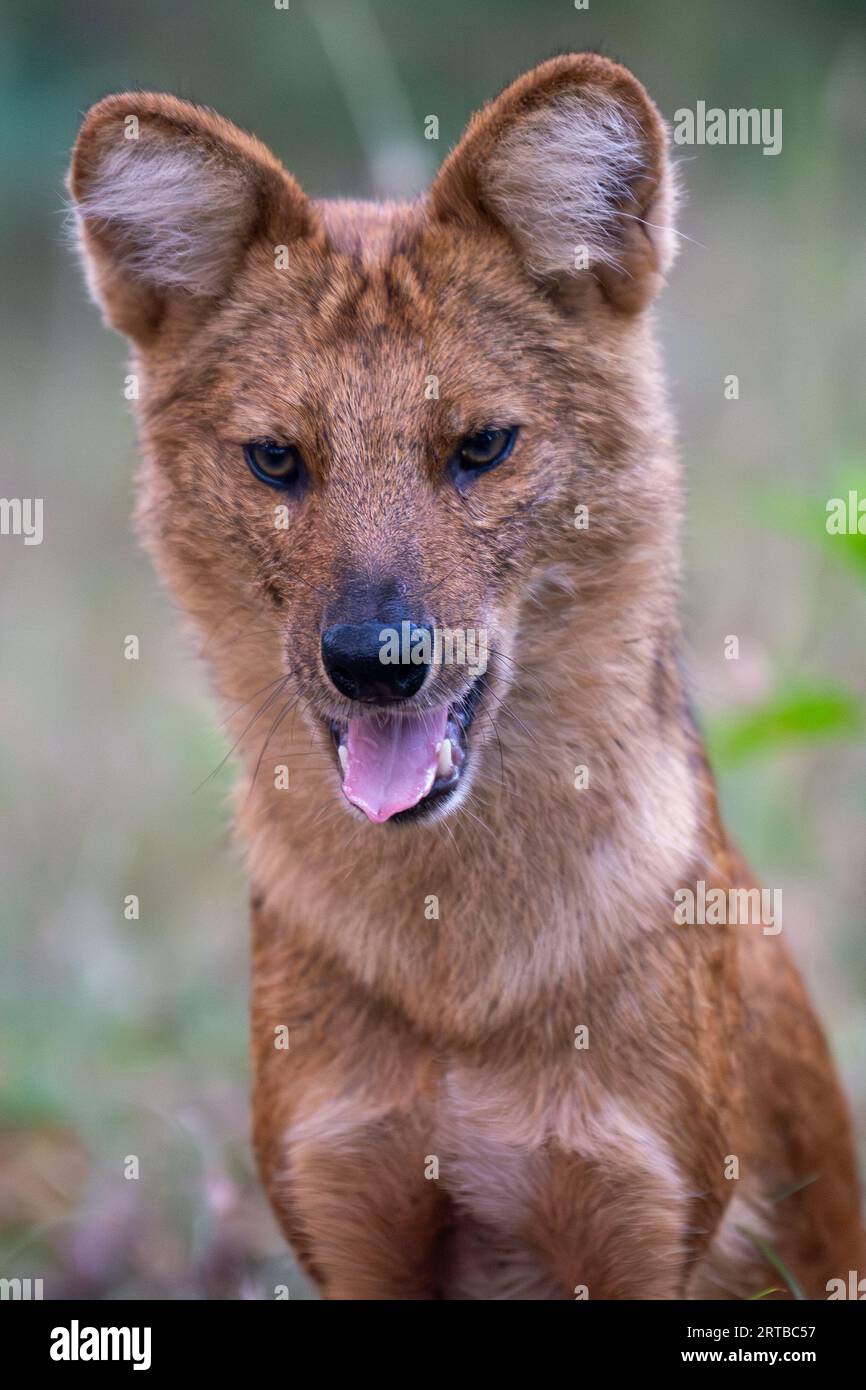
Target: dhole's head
{"x":373,"y":432}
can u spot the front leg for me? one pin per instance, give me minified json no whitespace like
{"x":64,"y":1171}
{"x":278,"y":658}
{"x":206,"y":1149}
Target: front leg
{"x":341,"y":1127}
{"x":370,"y":1220}
{"x":575,"y":1193}
{"x":624,"y":1222}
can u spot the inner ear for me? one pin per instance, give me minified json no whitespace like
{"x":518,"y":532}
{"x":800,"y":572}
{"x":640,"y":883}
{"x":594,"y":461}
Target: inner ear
{"x":168,"y":198}
{"x":570,"y":161}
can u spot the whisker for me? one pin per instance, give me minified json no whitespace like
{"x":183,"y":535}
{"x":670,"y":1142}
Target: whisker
{"x":277,"y":722}
{"x":477,"y":819}
{"x":274,"y":695}
{"x":443,"y":825}
{"x":231,"y":716}
{"x":527,"y":671}
{"x":510,"y":712}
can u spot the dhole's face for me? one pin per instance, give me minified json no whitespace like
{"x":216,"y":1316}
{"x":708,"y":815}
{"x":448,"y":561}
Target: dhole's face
{"x":422,"y":436}
{"x":372,"y":440}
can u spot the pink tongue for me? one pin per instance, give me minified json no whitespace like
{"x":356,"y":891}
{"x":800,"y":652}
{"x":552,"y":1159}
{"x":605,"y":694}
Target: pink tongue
{"x":392,"y":761}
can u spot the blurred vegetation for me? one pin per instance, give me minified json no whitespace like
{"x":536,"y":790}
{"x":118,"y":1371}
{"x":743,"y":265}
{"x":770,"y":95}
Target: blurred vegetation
{"x":129,"y":1037}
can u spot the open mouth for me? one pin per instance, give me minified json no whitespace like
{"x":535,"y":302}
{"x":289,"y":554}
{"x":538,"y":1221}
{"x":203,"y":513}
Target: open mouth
{"x":399,"y":765}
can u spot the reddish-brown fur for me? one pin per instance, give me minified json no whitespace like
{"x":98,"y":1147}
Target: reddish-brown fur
{"x":453,"y":1038}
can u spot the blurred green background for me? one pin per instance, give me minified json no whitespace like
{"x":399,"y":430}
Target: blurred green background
{"x":129,"y":1037}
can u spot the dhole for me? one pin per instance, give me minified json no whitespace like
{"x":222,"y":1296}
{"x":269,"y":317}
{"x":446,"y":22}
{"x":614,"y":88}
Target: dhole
{"x":510,"y":1072}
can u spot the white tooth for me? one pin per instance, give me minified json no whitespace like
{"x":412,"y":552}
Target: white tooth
{"x":343,"y":755}
{"x":444,"y":764}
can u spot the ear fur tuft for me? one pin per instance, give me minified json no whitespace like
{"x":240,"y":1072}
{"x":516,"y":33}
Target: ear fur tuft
{"x":571,"y":161}
{"x":178,"y":215}
{"x":165,"y":218}
{"x":560,"y":179}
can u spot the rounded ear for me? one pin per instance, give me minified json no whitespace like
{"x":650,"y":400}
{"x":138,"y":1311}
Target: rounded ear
{"x":168,"y":197}
{"x":571,"y":161}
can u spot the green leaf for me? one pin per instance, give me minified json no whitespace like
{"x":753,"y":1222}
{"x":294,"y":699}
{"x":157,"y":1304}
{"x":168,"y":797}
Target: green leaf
{"x":794,"y":1189}
{"x":768,"y":1254}
{"x":802,"y":715}
{"x":807,"y":517}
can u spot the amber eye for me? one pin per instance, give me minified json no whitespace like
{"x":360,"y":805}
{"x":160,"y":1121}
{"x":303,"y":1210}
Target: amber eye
{"x":279,"y":465}
{"x":484,"y":449}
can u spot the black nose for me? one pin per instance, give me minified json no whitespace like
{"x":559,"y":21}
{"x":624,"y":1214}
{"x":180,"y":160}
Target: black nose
{"x":360,"y":659}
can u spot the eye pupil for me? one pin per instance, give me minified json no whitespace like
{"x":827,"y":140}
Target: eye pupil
{"x":485,"y":448}
{"x":276,"y":464}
